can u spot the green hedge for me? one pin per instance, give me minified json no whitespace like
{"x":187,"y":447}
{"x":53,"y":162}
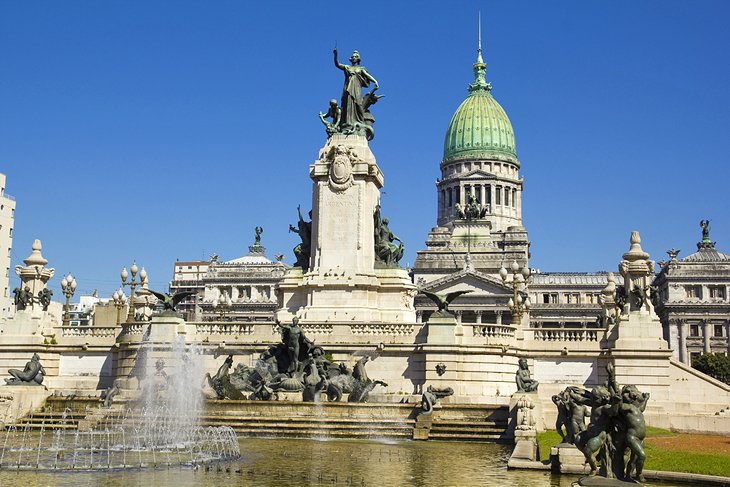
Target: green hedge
{"x":715,"y":365}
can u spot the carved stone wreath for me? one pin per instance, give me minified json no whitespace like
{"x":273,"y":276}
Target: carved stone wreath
{"x":341,"y":163}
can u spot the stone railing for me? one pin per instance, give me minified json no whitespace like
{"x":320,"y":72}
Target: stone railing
{"x":90,"y":331}
{"x":224,"y":328}
{"x":135,"y":328}
{"x":566,"y":334}
{"x":388,"y":329}
{"x":493,"y":331}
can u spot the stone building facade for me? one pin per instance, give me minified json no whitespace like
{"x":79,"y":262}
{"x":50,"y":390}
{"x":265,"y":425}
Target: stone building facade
{"x":241,"y":289}
{"x":188,"y":276}
{"x":7,"y":221}
{"x":692,"y":301}
{"x":479,"y":212}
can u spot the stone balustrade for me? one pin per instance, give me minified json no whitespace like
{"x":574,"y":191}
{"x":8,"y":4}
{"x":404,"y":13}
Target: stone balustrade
{"x":567,"y":334}
{"x":224,"y":328}
{"x":135,"y":328}
{"x":380,"y":329}
{"x":493,"y":331}
{"x":89,"y":331}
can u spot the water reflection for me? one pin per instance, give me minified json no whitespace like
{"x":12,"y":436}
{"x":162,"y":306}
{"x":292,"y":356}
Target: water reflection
{"x":286,"y":462}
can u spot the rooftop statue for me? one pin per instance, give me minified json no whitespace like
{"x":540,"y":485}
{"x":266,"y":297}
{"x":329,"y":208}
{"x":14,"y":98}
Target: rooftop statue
{"x":353,"y":115}
{"x":705,"y":225}
{"x":443,"y":300}
{"x":524,"y":382}
{"x":386,"y":252}
{"x":170,"y":301}
{"x":259,"y":231}
{"x":304,"y":250}
{"x":32,"y":374}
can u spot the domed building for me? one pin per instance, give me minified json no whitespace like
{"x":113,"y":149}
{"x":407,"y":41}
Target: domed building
{"x":479,"y":227}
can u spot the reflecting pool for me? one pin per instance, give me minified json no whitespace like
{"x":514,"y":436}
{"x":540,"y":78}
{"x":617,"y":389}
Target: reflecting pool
{"x":285,"y":462}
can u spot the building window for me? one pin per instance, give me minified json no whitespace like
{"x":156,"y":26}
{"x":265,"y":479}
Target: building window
{"x":443,"y":199}
{"x":546,"y":298}
{"x":693,"y":291}
{"x":694,"y":330}
{"x":488,"y":194}
{"x":514,"y":197}
{"x":717,"y":292}
{"x":719,"y":331}
{"x":506,"y":196}
{"x":694,"y":356}
{"x":498,"y":195}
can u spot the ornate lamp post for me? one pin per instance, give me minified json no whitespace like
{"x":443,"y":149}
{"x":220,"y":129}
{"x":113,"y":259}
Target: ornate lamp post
{"x":132,"y":284}
{"x":223,"y":305}
{"x":119,"y":300}
{"x":68,"y":287}
{"x":519,"y":302}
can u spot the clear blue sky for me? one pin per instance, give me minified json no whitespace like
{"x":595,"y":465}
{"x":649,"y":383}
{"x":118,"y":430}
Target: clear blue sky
{"x":158,"y":131}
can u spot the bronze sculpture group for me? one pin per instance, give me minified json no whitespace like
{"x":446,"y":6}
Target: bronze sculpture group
{"x":352,"y":116}
{"x":616,"y":427}
{"x":387,"y":252}
{"x":294,"y":365}
{"x":304,"y":250}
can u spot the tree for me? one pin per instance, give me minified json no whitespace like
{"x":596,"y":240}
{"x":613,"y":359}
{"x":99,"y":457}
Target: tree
{"x":715,"y":365}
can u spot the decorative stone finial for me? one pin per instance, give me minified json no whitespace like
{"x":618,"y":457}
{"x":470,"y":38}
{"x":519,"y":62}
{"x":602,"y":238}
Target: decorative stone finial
{"x":34,"y":277}
{"x":35,"y":257}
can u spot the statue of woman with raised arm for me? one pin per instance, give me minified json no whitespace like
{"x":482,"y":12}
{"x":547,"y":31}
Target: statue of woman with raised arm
{"x":356,"y":78}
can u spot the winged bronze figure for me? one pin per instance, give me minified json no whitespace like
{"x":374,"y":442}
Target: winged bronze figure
{"x":443,"y":300}
{"x":170,"y":301}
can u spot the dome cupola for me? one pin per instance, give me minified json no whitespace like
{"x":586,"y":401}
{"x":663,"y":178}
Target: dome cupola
{"x":480,"y":128}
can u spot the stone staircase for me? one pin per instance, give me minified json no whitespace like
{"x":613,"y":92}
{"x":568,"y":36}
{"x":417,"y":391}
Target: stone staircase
{"x":454,"y":422}
{"x":295,"y":419}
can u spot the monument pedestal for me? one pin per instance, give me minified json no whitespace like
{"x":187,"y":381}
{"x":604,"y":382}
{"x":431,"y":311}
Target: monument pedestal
{"x":17,"y":401}
{"x":443,"y":329}
{"x":342,"y":283}
{"x":567,"y":458}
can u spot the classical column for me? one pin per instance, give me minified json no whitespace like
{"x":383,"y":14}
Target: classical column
{"x":481,"y":195}
{"x":706,"y":336}
{"x":458,"y":316}
{"x":479,"y":316}
{"x":499,"y":316}
{"x":419,"y":316}
{"x":682,"y":339}
{"x":727,"y":335}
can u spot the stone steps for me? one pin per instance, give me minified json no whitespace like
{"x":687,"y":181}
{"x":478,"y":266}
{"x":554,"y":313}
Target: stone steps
{"x":294,"y":419}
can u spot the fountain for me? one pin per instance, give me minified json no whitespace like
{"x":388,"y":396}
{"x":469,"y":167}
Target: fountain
{"x":163,"y":429}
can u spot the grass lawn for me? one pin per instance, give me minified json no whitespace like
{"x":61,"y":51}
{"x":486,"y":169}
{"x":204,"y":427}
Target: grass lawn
{"x":674,"y":452}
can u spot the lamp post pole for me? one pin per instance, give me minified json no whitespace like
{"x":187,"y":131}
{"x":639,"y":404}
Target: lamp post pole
{"x":132,"y":284}
{"x":518,"y":304}
{"x":119,"y":300}
{"x":68,"y":287}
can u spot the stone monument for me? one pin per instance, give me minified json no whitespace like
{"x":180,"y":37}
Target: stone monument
{"x":351,"y":273}
{"x":633,"y":328}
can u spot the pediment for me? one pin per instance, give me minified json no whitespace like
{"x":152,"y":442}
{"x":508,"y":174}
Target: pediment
{"x":477,"y":174}
{"x":477,"y":282}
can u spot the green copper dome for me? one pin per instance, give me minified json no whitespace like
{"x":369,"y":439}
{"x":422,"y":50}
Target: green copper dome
{"x":480,"y":128}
